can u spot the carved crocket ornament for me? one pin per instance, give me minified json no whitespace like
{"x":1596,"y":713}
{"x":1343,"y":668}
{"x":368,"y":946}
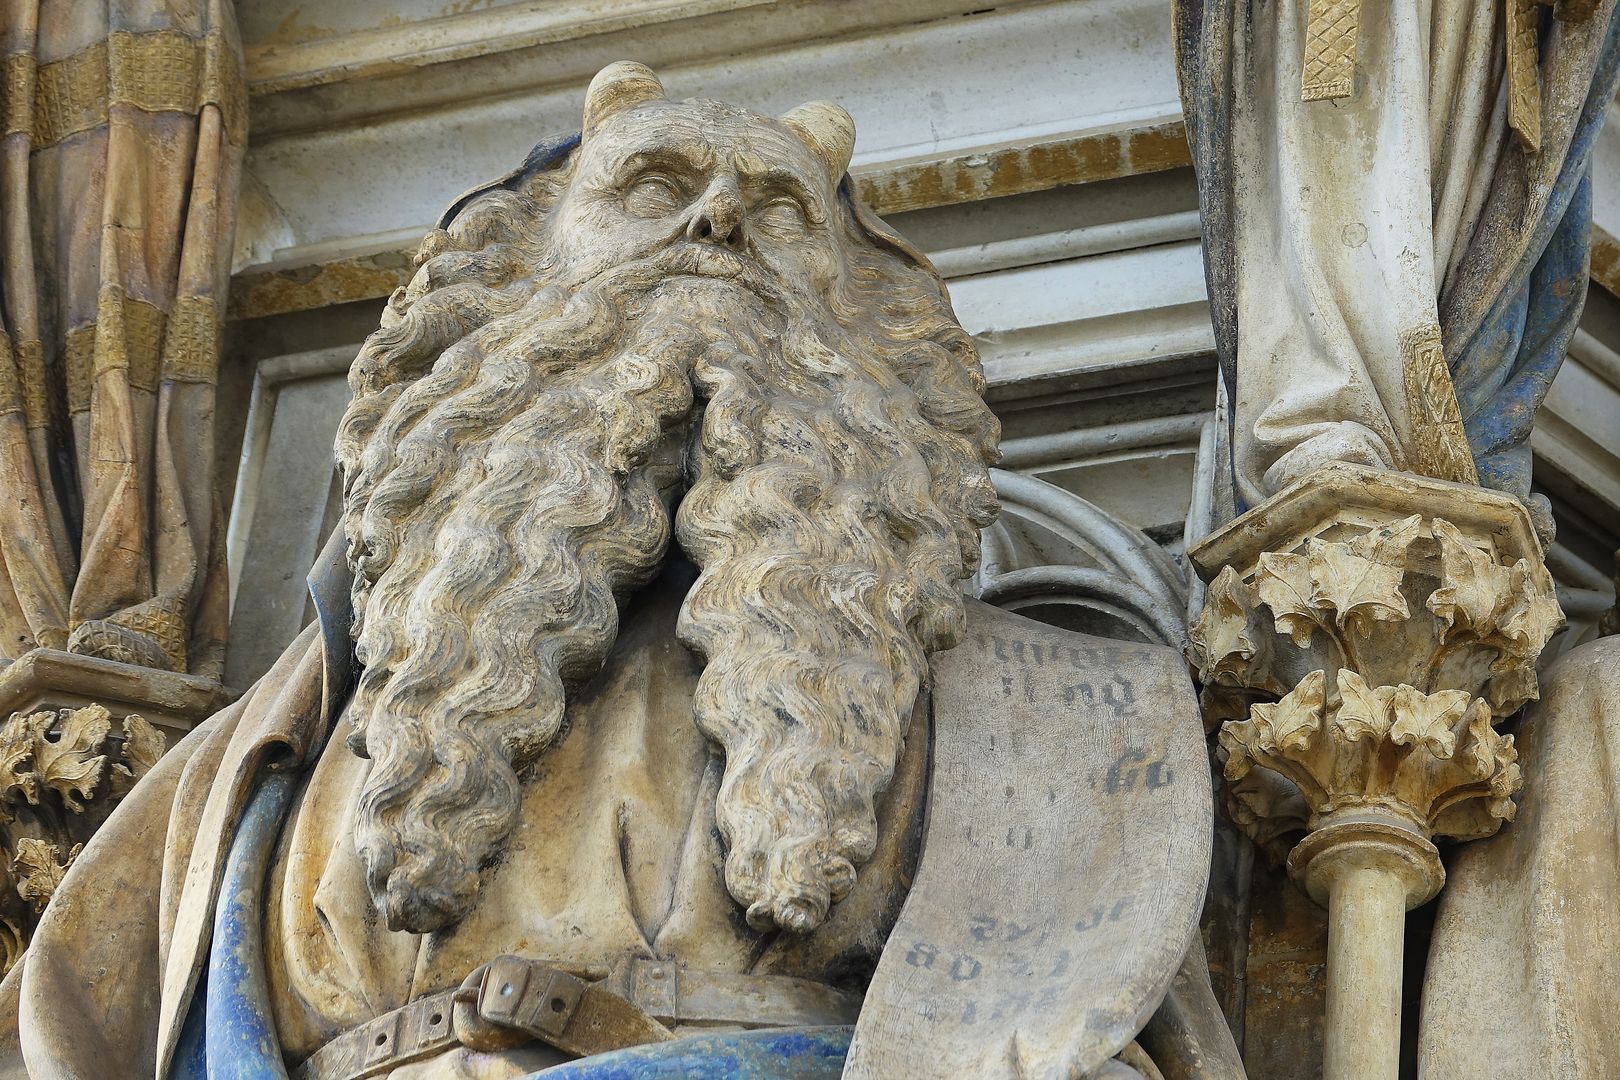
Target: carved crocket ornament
{"x":644,"y":714}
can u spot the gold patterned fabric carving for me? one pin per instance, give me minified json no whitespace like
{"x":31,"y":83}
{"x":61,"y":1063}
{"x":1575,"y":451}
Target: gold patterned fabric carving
{"x":151,"y":635}
{"x":22,"y":381}
{"x":1330,"y":56}
{"x":1439,"y":444}
{"x":31,"y":376}
{"x":224,"y":85}
{"x":191,"y":346}
{"x":10,"y":384}
{"x":128,"y":336}
{"x":1330,"y":49}
{"x":156,"y":72}
{"x":71,"y":95}
{"x":79,"y":358}
{"x":1524,"y":73}
{"x":19,"y":93}
{"x":162,"y":71}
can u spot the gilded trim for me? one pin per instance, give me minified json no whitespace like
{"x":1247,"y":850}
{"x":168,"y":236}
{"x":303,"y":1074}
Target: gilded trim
{"x":1439,"y":443}
{"x":161,"y":71}
{"x":10,"y":384}
{"x":31,"y":376}
{"x":191,"y":346}
{"x":22,"y":380}
{"x":1524,"y":73}
{"x":71,"y":95}
{"x":183,"y":346}
{"x":163,"y":620}
{"x":224,"y":85}
{"x":155,"y":72}
{"x":126,"y":336}
{"x":1331,"y":31}
{"x":150,"y":634}
{"x":79,"y":357}
{"x":21,"y":75}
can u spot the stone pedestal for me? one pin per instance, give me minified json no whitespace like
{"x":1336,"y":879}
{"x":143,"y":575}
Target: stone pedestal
{"x":52,"y":679}
{"x":1362,"y":634}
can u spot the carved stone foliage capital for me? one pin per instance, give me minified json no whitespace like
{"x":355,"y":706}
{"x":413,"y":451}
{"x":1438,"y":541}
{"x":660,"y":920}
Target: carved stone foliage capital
{"x":1357,"y":655}
{"x":1433,"y":760}
{"x":61,"y":774}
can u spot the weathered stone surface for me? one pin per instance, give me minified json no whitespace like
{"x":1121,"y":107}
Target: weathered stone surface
{"x":1393,"y":619}
{"x":1038,"y":165}
{"x":660,"y":481}
{"x":50,"y":679}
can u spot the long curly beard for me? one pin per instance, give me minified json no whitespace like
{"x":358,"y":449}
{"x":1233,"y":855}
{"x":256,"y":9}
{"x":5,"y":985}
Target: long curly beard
{"x":502,"y":506}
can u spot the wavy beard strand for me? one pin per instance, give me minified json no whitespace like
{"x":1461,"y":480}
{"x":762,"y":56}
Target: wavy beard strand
{"x":841,"y":485}
{"x":501,"y":509}
{"x":499,"y":506}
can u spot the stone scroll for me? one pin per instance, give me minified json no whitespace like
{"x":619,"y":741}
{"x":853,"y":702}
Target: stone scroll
{"x":1064,"y":868}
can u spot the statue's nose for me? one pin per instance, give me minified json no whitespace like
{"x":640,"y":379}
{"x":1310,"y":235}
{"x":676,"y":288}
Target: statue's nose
{"x":717,"y":217}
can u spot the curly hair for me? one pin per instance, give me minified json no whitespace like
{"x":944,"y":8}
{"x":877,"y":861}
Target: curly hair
{"x":500,"y":504}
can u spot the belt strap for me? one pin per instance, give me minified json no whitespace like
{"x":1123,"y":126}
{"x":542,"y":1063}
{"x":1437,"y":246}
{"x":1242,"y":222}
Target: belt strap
{"x":512,"y":1000}
{"x":416,"y":1031}
{"x":677,"y":995}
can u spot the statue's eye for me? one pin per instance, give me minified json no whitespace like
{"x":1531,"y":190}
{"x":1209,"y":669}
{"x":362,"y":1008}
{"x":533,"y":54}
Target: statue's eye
{"x":654,"y":195}
{"x":781,"y":216}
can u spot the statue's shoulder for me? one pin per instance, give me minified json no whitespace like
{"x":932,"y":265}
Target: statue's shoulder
{"x":1585,"y":675}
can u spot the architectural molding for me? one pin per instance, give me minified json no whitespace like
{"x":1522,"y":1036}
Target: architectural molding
{"x":296,"y":283}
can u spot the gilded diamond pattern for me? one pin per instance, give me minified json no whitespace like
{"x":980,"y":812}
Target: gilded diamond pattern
{"x":1330,"y":49}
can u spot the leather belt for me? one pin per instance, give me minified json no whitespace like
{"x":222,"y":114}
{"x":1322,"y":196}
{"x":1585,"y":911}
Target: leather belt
{"x":512,"y":1000}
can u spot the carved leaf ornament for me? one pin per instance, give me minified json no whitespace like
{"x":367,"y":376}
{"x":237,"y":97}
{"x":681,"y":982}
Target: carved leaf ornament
{"x":1337,"y":586}
{"x":1341,"y":741}
{"x":40,"y":868}
{"x":1229,"y":646}
{"x":1432,"y":759}
{"x":70,"y":764}
{"x":55,"y":763}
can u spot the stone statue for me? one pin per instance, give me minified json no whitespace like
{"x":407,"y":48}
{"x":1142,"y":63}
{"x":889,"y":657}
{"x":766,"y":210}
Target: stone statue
{"x":1396,"y":217}
{"x":644,"y":715}
{"x":1396,"y":221}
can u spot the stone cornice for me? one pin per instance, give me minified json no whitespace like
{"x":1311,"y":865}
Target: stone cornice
{"x":301,"y":79}
{"x":916,"y":183}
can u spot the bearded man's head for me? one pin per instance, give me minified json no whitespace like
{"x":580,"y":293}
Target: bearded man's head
{"x":687,"y":302}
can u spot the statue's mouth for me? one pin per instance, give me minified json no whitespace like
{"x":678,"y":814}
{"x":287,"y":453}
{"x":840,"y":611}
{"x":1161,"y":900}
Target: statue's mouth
{"x":691,"y":259}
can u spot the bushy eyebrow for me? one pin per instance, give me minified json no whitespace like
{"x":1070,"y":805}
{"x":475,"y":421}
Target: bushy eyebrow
{"x":778,"y":178}
{"x":695,"y":156}
{"x":664,"y":154}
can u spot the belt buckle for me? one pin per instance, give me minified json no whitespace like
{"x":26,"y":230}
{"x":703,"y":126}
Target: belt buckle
{"x":518,"y":995}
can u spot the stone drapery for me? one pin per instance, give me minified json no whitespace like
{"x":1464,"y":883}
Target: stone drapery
{"x":1538,"y":906}
{"x":125,"y":122}
{"x":1391,"y":237}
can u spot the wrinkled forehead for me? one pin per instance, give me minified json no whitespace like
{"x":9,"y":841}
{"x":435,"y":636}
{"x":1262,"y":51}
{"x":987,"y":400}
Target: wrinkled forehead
{"x":704,"y":137}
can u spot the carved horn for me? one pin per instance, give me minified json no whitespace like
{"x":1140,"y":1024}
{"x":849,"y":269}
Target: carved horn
{"x":621,"y":85}
{"x":828,"y":131}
